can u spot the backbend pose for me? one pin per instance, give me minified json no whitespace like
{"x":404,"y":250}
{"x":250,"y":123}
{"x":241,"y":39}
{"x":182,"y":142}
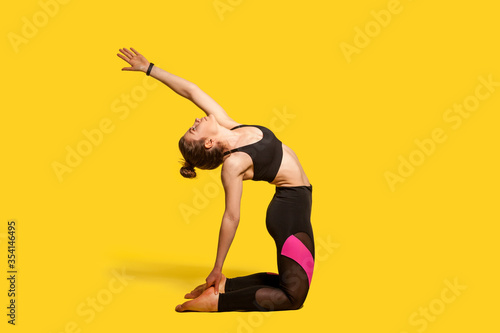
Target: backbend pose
{"x":245,"y":152}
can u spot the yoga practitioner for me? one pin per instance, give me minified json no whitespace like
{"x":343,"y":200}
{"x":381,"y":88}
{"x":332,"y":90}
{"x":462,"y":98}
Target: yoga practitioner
{"x":246,"y":152}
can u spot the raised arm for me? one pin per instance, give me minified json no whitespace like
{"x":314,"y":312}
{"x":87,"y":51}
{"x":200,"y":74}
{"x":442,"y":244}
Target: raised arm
{"x":179,"y":85}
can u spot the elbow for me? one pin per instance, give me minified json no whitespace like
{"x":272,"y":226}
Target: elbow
{"x":190,"y":90}
{"x":231,"y":217}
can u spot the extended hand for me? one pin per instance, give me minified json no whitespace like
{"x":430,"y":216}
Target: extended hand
{"x":214,"y":279}
{"x":138,"y":62}
{"x":202,"y":287}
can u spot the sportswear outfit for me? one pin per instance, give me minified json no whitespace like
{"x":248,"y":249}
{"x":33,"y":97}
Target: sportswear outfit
{"x":288,"y":221}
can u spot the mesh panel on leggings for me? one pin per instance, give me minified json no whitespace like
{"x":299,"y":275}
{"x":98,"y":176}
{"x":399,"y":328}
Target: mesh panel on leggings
{"x":266,"y":292}
{"x":294,"y":283}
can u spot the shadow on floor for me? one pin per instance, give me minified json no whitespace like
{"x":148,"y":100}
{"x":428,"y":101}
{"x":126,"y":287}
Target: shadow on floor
{"x":182,"y":275}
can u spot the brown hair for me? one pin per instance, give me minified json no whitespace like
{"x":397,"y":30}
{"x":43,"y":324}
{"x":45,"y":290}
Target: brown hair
{"x":196,"y":155}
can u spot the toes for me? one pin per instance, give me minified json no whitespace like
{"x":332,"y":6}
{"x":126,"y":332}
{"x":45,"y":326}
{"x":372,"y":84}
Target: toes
{"x":195,"y":293}
{"x":186,"y":306}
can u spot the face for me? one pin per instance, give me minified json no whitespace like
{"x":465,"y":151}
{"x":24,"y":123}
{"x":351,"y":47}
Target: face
{"x":203,"y":128}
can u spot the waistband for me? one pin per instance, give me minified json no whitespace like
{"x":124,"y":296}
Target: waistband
{"x":293,"y":188}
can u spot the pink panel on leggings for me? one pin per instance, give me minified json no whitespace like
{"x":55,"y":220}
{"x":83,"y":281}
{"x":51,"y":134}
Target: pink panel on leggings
{"x":296,"y":250}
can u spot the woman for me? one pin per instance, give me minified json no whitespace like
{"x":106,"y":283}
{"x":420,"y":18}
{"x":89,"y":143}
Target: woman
{"x":246,"y":152}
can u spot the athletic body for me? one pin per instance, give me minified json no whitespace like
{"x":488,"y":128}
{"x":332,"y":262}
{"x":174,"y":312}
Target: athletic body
{"x":246,"y":152}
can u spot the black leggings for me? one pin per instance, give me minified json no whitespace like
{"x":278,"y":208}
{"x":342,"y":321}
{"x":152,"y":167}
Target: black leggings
{"x":288,"y":221}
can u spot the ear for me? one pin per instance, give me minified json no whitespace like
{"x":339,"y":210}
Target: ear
{"x":209,"y":143}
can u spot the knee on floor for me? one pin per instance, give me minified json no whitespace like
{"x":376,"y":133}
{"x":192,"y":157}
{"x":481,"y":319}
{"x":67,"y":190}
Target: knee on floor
{"x":274,"y":300}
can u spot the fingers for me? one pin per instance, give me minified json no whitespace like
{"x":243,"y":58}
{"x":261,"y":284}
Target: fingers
{"x":127,"y":52}
{"x":123,"y":57}
{"x":134,"y":59}
{"x":210,"y":281}
{"x":216,"y":286}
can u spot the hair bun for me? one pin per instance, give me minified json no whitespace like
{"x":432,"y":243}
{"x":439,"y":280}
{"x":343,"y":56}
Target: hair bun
{"x":187,"y":171}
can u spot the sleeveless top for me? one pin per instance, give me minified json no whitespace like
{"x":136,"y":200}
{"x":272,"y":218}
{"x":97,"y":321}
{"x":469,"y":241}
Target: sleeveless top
{"x":266,"y":154}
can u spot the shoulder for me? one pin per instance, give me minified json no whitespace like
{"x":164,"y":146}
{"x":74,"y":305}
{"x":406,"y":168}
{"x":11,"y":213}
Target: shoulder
{"x":232,"y":174}
{"x":234,"y":165}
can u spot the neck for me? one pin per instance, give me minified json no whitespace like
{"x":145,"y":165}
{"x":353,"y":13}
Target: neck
{"x":227,"y":138}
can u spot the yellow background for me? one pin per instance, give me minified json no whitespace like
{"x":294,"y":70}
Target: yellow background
{"x":383,"y":254}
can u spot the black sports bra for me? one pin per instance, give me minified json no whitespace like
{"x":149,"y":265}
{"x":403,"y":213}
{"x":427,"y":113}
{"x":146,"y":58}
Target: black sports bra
{"x":266,"y":154}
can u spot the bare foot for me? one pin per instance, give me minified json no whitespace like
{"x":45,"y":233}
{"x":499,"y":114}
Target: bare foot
{"x":206,"y":302}
{"x":201,"y":288}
